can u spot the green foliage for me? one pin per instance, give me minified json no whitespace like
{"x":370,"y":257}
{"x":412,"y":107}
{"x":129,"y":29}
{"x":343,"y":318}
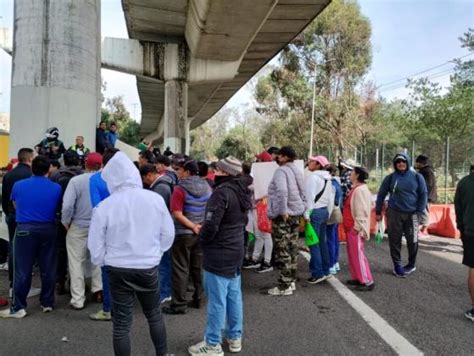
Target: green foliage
{"x":240,"y":142}
{"x":115,"y":111}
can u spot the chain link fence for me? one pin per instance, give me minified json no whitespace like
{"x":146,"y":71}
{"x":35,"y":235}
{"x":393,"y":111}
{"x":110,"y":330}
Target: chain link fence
{"x":450,"y":159}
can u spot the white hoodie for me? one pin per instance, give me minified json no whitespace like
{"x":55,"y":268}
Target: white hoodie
{"x":313,"y":184}
{"x":131,"y":228}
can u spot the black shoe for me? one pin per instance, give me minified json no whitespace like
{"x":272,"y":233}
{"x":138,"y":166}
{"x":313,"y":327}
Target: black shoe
{"x":195,"y":303}
{"x":173,"y":311}
{"x":252,"y":265}
{"x":265,"y":267}
{"x":353,"y":282}
{"x":365,"y":287}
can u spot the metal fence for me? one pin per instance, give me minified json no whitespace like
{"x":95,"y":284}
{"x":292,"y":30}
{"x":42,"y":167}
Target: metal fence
{"x":450,"y":159}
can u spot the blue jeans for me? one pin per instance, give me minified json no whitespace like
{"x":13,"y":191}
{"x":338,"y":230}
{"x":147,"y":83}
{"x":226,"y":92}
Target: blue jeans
{"x":333,"y":243}
{"x":34,"y":240}
{"x":319,"y":263}
{"x":107,"y":299}
{"x":224,"y":303}
{"x":165,"y":275}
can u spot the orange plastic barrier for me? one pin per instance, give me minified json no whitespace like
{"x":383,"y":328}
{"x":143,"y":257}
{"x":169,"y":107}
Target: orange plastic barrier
{"x":443,"y":221}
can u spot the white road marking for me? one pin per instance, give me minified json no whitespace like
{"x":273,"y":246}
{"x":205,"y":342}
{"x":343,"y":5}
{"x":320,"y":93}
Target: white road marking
{"x":396,"y":341}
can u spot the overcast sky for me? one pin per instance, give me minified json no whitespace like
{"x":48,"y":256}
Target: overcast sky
{"x":408,"y":36}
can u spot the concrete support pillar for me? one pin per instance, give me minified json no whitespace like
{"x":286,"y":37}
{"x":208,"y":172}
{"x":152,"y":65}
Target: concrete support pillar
{"x":176,"y":113}
{"x":56,"y":71}
{"x":176,"y":97}
{"x":188,"y":135}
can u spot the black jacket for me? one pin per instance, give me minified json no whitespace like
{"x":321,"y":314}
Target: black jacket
{"x":222,"y":233}
{"x":464,"y":205}
{"x":21,"y":171}
{"x":428,"y":173}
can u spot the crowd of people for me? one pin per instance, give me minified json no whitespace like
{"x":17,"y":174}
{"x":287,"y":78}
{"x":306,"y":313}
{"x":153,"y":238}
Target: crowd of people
{"x":192,"y":226}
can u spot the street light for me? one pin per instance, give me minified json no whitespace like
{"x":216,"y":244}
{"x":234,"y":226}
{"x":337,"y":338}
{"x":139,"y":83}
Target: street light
{"x":314,"y":99}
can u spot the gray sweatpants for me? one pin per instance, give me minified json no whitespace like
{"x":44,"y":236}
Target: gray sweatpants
{"x":400,"y":224}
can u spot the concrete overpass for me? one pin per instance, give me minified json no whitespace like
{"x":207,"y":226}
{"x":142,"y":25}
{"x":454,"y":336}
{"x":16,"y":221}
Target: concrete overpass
{"x":189,"y":57}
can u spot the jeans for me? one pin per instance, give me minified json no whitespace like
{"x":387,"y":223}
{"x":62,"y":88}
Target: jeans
{"x":125,"y":285}
{"x":34,"y":240}
{"x":332,"y":233}
{"x":224,"y":304}
{"x":165,"y":275}
{"x":319,"y":262}
{"x":107,"y":299}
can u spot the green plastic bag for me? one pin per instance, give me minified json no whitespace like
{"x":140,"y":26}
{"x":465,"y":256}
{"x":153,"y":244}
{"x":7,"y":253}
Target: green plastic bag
{"x":311,"y":237}
{"x":380,"y":232}
{"x":251,"y":236}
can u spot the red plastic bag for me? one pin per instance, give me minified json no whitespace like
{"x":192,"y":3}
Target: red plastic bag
{"x":264,"y":224}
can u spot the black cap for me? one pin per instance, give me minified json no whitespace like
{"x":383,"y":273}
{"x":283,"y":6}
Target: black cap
{"x":191,"y":166}
{"x":288,"y":151}
{"x":422,"y":159}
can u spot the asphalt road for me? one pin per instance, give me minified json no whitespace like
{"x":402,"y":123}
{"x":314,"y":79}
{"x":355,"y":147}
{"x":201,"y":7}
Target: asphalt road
{"x":425,"y":309}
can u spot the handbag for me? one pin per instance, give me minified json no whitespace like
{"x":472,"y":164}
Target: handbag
{"x":264,"y":224}
{"x":336,"y":216}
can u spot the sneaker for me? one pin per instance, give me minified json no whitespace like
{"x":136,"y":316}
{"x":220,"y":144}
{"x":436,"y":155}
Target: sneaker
{"x":280,"y":292}
{"x":8,"y":313}
{"x":399,"y":272}
{"x":235,"y":345}
{"x":353,"y":282}
{"x":173,"y":311}
{"x":332,"y":270}
{"x":4,"y":266}
{"x":409,"y":269}
{"x":252,"y":265}
{"x":365,"y":287}
{"x":337,"y":267}
{"x":313,"y":280}
{"x":203,"y":348}
{"x":469,"y":314}
{"x":101,"y":316}
{"x":165,"y":300}
{"x":265,"y":267}
{"x":46,"y":309}
{"x":293,"y":286}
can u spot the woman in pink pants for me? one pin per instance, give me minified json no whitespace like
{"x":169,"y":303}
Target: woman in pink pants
{"x":356,"y":214}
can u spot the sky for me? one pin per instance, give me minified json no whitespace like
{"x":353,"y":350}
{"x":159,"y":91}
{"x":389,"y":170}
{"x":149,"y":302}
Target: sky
{"x":408,"y":36}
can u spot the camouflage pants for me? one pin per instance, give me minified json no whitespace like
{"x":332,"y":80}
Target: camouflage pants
{"x":285,"y":248}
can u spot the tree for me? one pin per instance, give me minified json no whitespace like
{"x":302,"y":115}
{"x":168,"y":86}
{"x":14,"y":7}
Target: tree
{"x":115,"y":111}
{"x":335,"y":52}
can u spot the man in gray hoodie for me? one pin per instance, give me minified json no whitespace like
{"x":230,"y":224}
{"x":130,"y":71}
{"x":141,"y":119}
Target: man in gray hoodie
{"x":286,"y":205}
{"x":76,"y":218}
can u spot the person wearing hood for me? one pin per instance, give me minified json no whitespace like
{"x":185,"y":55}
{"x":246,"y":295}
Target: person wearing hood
{"x":319,"y":204}
{"x":129,"y":233}
{"x":222,"y":241}
{"x":188,"y":206}
{"x":423,"y":166}
{"x":72,"y":167}
{"x":51,"y":146}
{"x":286,"y":204}
{"x":406,"y":211}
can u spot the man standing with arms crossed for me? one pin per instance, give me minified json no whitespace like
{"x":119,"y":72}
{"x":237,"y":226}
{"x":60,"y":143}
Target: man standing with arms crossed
{"x":464,"y":205}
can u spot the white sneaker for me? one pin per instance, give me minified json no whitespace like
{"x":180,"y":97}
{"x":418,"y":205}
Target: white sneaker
{"x":34,"y":292}
{"x":235,"y":345}
{"x":293,"y":286}
{"x":7,"y":313}
{"x":165,"y":300}
{"x":46,"y":309}
{"x":337,"y":267}
{"x":4,"y":266}
{"x":278,"y":291}
{"x":203,"y":348}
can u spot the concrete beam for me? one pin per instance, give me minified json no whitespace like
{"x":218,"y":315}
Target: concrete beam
{"x":157,"y":61}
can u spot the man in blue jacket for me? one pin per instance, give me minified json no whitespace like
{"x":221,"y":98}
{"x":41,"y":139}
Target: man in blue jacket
{"x":406,"y":208}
